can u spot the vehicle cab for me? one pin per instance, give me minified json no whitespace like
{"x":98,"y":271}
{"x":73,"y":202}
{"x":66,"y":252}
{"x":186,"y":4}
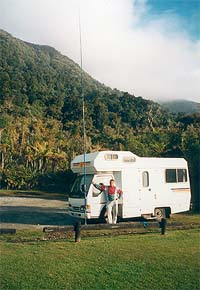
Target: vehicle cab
{"x":88,"y":204}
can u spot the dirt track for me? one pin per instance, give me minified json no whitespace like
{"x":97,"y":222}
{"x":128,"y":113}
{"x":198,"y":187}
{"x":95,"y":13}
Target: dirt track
{"x":24,"y":211}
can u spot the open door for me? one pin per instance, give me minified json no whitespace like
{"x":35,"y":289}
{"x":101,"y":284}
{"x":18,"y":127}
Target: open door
{"x":99,"y":198}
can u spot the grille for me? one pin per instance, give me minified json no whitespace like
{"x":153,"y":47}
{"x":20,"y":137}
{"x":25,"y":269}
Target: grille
{"x":76,"y":208}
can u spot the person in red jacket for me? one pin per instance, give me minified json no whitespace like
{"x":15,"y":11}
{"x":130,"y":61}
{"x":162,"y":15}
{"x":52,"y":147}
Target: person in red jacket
{"x":113,"y":194}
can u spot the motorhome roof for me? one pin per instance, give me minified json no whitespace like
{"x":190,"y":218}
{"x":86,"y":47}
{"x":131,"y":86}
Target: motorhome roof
{"x":103,"y":161}
{"x":117,"y":160}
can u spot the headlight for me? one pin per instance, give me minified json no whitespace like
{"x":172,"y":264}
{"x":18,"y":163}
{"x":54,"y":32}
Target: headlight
{"x":88,"y":208}
{"x":82,"y":208}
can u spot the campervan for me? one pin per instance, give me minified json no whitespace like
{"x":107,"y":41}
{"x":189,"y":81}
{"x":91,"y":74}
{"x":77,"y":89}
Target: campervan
{"x":152,"y":187}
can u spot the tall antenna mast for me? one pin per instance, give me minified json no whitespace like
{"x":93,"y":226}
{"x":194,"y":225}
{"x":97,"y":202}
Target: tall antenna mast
{"x":83,"y":112}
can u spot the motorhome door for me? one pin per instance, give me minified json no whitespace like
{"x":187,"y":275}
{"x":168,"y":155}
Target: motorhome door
{"x":131,"y":196}
{"x":146,"y":198}
{"x":99,"y":198}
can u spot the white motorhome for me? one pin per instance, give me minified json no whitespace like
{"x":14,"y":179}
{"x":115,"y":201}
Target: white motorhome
{"x":152,"y":187}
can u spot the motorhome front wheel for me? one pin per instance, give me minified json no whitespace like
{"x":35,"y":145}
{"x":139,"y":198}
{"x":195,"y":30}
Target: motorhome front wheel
{"x":159,"y":213}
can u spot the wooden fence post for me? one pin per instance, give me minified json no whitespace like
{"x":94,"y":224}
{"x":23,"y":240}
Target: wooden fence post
{"x":77,"y":229}
{"x":163,"y":225}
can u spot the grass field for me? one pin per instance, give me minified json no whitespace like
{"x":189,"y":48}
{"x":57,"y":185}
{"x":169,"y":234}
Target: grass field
{"x":149,"y":261}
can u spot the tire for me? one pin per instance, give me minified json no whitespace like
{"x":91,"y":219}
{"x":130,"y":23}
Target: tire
{"x":103,"y":216}
{"x":159,"y":213}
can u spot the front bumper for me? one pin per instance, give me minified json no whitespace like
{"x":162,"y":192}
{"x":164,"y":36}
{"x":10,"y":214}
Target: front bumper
{"x":78,"y":214}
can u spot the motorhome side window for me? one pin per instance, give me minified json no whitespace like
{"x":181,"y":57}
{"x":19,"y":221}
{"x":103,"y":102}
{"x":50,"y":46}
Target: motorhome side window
{"x":111,"y":156}
{"x":182,"y":175}
{"x":145,"y":179}
{"x":176,"y":175}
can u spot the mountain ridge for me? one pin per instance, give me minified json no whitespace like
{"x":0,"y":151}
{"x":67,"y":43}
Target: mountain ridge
{"x":174,"y":106}
{"x":43,"y":79}
{"x":181,"y":106}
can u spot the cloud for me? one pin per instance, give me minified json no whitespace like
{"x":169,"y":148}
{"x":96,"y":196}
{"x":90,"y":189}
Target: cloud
{"x":154,"y":59}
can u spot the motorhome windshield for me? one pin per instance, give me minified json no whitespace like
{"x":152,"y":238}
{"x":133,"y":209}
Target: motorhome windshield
{"x":76,"y":190}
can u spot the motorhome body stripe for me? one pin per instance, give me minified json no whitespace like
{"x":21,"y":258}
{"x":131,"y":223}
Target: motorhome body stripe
{"x":180,"y":189}
{"x":81,"y":164}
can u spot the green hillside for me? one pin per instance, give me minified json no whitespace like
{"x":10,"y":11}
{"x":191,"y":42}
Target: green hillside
{"x":41,"y":120}
{"x":48,"y":85}
{"x":181,"y":106}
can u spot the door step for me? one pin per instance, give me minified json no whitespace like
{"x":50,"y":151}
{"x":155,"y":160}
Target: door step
{"x":148,"y":217}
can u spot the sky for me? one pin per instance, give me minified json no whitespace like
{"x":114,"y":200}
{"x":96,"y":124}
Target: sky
{"x":149,"y":48}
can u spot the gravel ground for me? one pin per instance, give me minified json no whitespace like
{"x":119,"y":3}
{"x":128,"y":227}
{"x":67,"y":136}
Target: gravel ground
{"x":30,"y":211}
{"x":32,"y":202}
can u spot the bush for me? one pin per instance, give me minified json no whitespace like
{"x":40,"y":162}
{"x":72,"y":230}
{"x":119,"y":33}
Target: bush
{"x":60,"y":181}
{"x":21,"y":178}
{"x":18,"y":178}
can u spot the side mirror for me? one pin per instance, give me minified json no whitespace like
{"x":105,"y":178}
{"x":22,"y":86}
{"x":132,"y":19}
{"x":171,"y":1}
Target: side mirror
{"x":95,"y":193}
{"x":83,"y":188}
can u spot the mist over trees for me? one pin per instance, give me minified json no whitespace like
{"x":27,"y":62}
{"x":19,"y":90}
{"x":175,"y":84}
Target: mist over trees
{"x":41,"y":120}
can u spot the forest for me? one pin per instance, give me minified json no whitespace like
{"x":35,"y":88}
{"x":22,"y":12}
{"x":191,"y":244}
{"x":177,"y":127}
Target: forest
{"x":41,"y":120}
